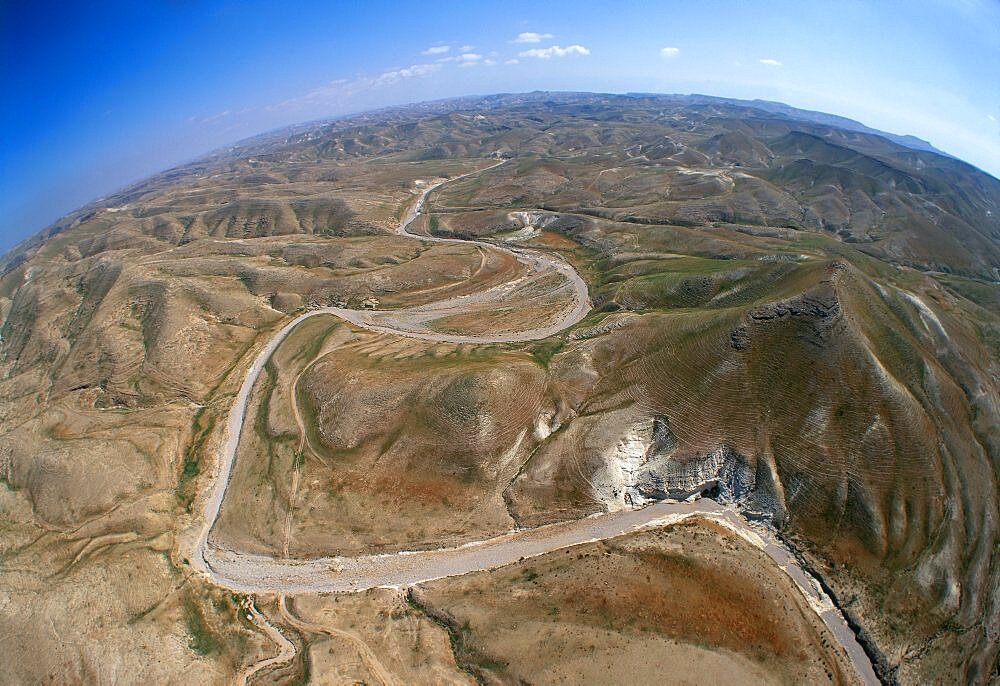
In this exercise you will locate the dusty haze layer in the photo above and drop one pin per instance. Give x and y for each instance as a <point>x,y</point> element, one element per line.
<point>804,316</point>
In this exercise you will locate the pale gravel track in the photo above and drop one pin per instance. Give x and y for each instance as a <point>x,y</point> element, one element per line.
<point>286,649</point>
<point>367,655</point>
<point>251,574</point>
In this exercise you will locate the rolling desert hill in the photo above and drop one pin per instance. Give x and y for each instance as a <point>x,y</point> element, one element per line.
<point>791,313</point>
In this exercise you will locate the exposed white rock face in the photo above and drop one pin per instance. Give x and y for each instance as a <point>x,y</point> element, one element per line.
<point>645,466</point>
<point>534,219</point>
<point>545,425</point>
<point>525,234</point>
<point>615,485</point>
<point>927,316</point>
<point>681,478</point>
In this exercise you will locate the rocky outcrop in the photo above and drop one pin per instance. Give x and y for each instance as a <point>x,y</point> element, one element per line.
<point>739,339</point>
<point>723,472</point>
<point>816,307</point>
<point>607,325</point>
<point>817,317</point>
<point>647,465</point>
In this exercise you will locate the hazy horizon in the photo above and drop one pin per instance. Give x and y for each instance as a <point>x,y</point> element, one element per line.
<point>130,91</point>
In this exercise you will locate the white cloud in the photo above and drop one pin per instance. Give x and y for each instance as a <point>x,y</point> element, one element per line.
<point>215,117</point>
<point>554,51</point>
<point>669,52</point>
<point>466,48</point>
<point>531,37</point>
<point>436,50</point>
<point>413,70</point>
<point>771,62</point>
<point>345,88</point>
<point>513,61</point>
<point>991,117</point>
<point>468,59</point>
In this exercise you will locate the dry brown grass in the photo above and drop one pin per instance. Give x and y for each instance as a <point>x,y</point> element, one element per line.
<point>676,593</point>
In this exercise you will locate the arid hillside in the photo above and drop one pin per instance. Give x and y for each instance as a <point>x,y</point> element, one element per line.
<point>800,320</point>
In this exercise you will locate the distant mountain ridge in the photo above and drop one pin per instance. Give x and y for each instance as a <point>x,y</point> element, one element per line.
<point>769,106</point>
<point>277,138</point>
<point>817,117</point>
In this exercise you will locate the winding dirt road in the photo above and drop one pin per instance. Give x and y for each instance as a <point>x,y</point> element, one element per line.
<point>252,574</point>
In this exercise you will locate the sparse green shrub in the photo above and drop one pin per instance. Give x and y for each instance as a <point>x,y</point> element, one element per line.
<point>202,639</point>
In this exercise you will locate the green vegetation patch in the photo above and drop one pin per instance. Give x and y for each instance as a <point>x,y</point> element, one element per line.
<point>190,468</point>
<point>201,638</point>
<point>983,293</point>
<point>544,351</point>
<point>483,668</point>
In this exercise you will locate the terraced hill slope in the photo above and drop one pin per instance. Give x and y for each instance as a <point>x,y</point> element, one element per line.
<point>800,319</point>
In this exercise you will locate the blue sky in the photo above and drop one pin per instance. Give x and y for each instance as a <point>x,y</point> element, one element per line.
<point>96,95</point>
